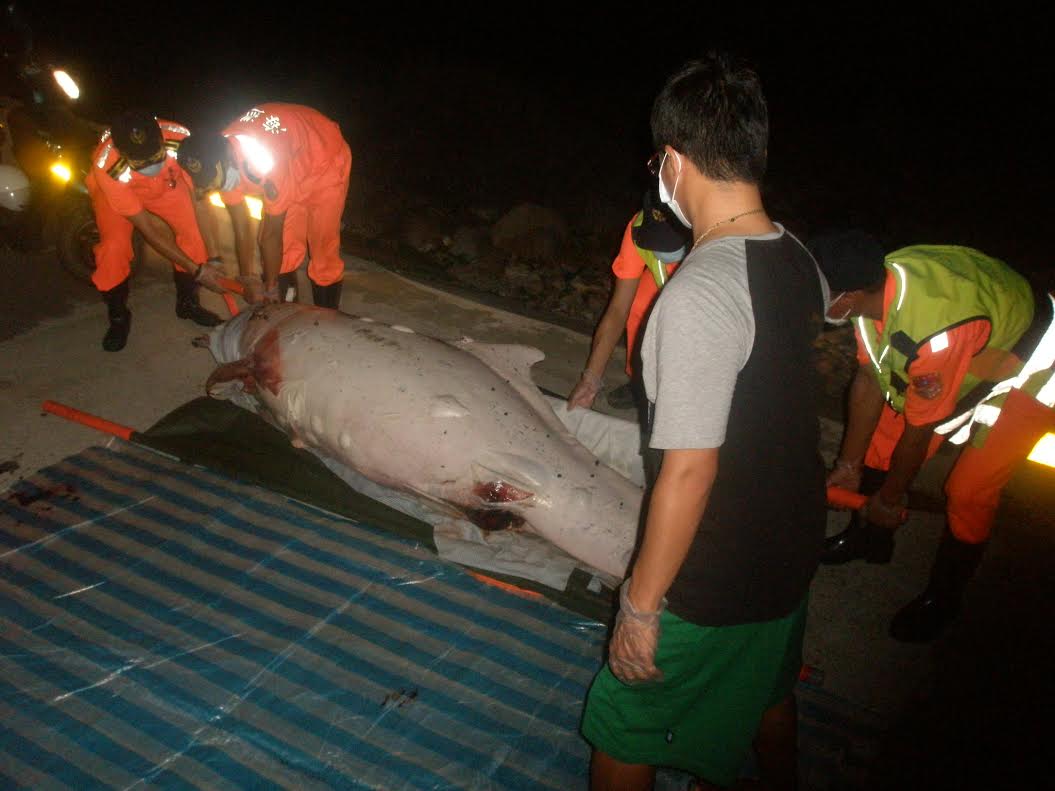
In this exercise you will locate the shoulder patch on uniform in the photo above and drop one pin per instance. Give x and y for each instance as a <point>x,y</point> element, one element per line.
<point>927,386</point>
<point>116,169</point>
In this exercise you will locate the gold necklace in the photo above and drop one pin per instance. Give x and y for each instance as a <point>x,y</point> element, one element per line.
<point>734,218</point>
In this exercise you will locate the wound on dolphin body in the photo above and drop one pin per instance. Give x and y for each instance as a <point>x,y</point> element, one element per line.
<point>500,492</point>
<point>490,520</point>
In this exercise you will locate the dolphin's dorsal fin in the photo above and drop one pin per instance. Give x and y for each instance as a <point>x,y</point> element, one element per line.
<point>513,363</point>
<point>512,360</point>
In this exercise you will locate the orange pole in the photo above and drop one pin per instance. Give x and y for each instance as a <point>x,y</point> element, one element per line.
<point>232,306</point>
<point>506,586</point>
<point>98,423</point>
<point>231,285</point>
<point>844,498</point>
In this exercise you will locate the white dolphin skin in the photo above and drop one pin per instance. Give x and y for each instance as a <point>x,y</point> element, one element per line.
<point>458,423</point>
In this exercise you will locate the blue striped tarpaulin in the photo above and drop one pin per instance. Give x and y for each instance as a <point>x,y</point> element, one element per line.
<point>166,627</point>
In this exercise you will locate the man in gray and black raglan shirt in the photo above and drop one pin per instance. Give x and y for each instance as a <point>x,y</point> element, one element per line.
<point>707,643</point>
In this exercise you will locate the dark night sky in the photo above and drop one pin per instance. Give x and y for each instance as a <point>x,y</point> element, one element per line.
<point>896,111</point>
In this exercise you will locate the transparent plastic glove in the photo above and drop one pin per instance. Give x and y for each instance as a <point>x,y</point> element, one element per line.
<point>585,392</point>
<point>632,650</point>
<point>845,474</point>
<point>271,295</point>
<point>208,275</point>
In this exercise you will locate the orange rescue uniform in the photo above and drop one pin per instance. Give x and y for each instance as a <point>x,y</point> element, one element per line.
<point>118,192</point>
<point>296,160</point>
<point>980,473</point>
<point>629,265</point>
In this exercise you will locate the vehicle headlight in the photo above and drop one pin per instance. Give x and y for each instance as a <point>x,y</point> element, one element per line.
<point>60,171</point>
<point>67,83</point>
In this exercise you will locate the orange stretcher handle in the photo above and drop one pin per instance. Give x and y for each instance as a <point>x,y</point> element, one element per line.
<point>232,306</point>
<point>98,423</point>
<point>506,586</point>
<point>231,285</point>
<point>844,498</point>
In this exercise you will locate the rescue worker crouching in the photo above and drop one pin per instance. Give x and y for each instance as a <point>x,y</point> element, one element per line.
<point>136,184</point>
<point>653,244</point>
<point>297,162</point>
<point>953,345</point>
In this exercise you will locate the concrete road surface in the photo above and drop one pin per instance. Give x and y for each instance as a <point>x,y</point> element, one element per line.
<point>969,709</point>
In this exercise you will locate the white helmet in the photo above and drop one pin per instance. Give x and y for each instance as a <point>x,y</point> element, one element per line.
<point>14,188</point>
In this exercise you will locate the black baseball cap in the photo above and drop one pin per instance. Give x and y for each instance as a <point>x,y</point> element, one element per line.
<point>202,156</point>
<point>851,260</point>
<point>659,231</point>
<point>137,135</point>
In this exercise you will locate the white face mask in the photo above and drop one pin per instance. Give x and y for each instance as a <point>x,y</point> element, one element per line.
<point>842,319</point>
<point>668,197</point>
<point>151,170</point>
<point>670,258</point>
<point>231,177</point>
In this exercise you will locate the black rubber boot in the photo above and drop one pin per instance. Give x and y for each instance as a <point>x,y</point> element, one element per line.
<point>120,316</point>
<point>926,616</point>
<point>861,540</point>
<point>187,305</point>
<point>287,287</point>
<point>327,296</point>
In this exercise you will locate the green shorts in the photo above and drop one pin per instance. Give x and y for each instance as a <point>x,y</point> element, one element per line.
<point>703,716</point>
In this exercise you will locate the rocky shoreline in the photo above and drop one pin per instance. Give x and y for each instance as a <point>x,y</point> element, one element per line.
<point>529,262</point>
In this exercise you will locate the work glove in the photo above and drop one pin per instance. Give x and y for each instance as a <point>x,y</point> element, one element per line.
<point>585,392</point>
<point>254,292</point>
<point>632,649</point>
<point>845,474</point>
<point>882,514</point>
<point>208,275</point>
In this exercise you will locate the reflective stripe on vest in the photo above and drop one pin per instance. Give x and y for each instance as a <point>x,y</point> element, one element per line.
<point>877,362</point>
<point>1046,396</point>
<point>1042,358</point>
<point>652,263</point>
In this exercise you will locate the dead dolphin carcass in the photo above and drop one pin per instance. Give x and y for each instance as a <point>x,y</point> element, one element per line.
<point>455,423</point>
